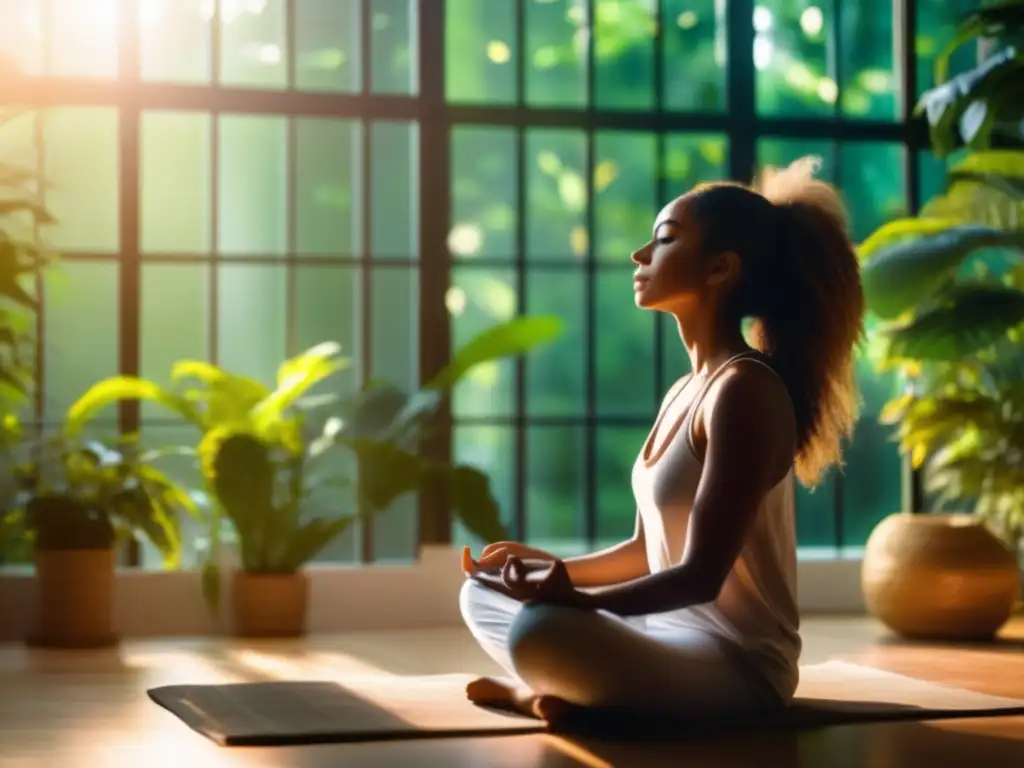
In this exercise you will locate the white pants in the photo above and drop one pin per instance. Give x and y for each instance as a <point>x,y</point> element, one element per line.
<point>592,658</point>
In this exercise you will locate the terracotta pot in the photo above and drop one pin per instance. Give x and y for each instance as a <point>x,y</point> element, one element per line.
<point>940,577</point>
<point>270,604</point>
<point>75,607</point>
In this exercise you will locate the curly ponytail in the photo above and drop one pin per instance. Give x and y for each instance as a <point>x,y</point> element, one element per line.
<point>800,282</point>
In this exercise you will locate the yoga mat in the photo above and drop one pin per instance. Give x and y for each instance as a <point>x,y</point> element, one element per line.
<point>394,707</point>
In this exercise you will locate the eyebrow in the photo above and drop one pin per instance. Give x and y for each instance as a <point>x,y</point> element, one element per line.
<point>662,223</point>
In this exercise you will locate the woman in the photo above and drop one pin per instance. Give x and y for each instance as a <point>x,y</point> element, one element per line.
<point>696,614</point>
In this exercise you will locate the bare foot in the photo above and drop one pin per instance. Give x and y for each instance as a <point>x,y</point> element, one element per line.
<point>505,694</point>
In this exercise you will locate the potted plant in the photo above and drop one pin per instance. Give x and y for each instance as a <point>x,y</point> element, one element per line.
<point>262,454</point>
<point>948,286</point>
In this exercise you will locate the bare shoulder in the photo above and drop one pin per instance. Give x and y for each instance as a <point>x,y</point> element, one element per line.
<point>749,408</point>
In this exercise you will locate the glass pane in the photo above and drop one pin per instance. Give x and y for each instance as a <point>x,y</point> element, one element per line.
<point>477,300</point>
<point>394,332</point>
<point>253,44</point>
<point>791,48</point>
<point>555,373</point>
<point>816,516</point>
<point>328,308</point>
<point>251,305</point>
<point>174,322</point>
<point>694,55</point>
<point>83,38</point>
<point>625,174</point>
<point>396,531</point>
<point>675,362</point>
<point>480,51</point>
<point>174,41</point>
<point>393,47</point>
<point>873,476</point>
<point>21,36</point>
<point>624,53</point>
<point>19,149</point>
<point>933,173</point>
<point>253,185</point>
<point>624,333</point>
<point>328,172</point>
<point>556,194</point>
<point>556,53</point>
<point>691,159</point>
<point>395,193</point>
<point>80,332</point>
<point>329,470</point>
<point>873,184</point>
<point>484,192</point>
<point>492,451</point>
<point>554,486</point>
<point>81,152</point>
<point>869,83</point>
<point>617,450</point>
<point>937,21</point>
<point>174,184</point>
<point>782,152</point>
<point>327,46</point>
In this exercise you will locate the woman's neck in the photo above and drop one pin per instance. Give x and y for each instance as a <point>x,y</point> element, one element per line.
<point>709,340</point>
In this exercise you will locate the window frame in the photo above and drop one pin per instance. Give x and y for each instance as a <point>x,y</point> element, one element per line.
<point>436,118</point>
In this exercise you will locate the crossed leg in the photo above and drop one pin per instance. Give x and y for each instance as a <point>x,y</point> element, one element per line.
<point>560,658</point>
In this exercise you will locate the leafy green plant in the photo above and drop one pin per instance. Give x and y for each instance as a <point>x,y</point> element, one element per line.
<point>948,287</point>
<point>88,494</point>
<point>264,452</point>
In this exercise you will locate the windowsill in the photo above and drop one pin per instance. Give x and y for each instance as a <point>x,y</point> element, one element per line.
<point>350,598</point>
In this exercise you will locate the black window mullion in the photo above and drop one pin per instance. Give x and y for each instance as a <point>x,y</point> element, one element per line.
<point>291,171</point>
<point>590,304</point>
<point>435,520</point>
<point>741,119</point>
<point>521,457</point>
<point>366,525</point>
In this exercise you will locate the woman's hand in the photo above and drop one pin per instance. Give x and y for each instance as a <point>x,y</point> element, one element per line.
<point>494,556</point>
<point>553,586</point>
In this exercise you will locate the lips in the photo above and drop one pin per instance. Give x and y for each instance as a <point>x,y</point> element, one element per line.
<point>639,281</point>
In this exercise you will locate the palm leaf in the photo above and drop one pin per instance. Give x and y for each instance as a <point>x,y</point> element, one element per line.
<point>971,318</point>
<point>901,276</point>
<point>118,388</point>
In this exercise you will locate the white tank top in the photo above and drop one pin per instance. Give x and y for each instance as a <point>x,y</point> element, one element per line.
<point>756,608</point>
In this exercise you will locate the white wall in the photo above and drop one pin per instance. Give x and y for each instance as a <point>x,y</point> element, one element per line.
<point>348,598</point>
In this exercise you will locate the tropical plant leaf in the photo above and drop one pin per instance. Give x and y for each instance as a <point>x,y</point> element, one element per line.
<point>386,472</point>
<point>901,276</point>
<point>989,21</point>
<point>946,104</point>
<point>118,388</point>
<point>902,229</point>
<point>227,398</point>
<point>474,504</point>
<point>371,413</point>
<point>296,377</point>
<point>509,339</point>
<point>971,318</point>
<point>309,539</point>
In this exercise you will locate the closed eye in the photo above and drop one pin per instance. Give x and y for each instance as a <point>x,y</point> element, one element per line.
<point>665,240</point>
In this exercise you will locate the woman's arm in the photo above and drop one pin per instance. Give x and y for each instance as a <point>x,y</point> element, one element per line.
<point>750,437</point>
<point>615,565</point>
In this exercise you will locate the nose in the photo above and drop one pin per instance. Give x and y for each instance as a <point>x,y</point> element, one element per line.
<point>642,255</point>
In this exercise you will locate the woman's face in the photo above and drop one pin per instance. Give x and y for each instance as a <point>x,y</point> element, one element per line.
<point>671,269</point>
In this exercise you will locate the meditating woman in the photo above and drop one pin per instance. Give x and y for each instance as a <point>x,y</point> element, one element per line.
<point>696,614</point>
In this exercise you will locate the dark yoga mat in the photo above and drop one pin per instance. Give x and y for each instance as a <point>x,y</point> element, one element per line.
<point>393,707</point>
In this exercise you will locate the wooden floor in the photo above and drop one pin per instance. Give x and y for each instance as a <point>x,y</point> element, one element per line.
<point>89,710</point>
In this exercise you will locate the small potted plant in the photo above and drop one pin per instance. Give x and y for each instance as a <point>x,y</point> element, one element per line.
<point>262,451</point>
<point>948,290</point>
<point>79,499</point>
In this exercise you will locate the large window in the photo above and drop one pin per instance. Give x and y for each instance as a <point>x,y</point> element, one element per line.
<point>238,179</point>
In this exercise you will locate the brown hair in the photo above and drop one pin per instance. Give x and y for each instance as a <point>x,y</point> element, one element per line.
<point>800,282</point>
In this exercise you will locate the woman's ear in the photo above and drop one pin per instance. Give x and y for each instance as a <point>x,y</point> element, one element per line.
<point>724,269</point>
